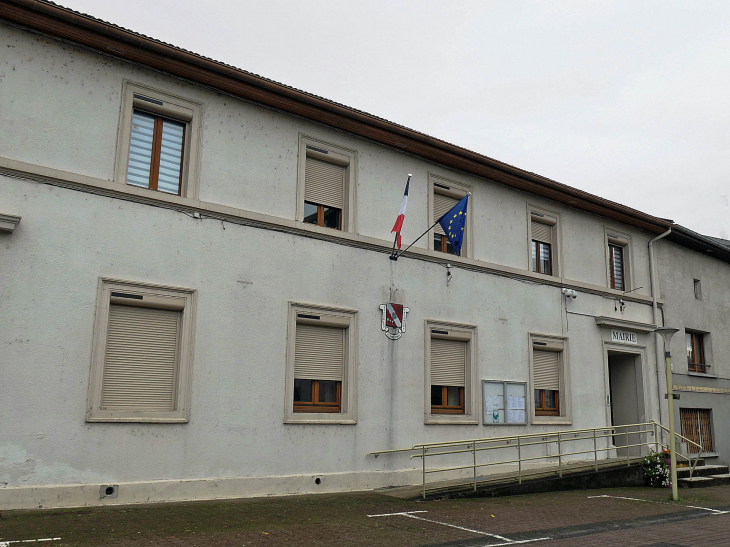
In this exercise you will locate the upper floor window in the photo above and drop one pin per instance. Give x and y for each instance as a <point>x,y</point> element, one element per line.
<point>158,143</point>
<point>618,254</point>
<point>543,242</point>
<point>444,194</point>
<point>695,352</point>
<point>326,186</point>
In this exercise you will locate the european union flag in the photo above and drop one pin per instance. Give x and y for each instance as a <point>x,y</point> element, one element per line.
<point>454,223</point>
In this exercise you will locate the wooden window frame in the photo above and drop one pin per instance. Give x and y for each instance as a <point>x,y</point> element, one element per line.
<point>308,413</point>
<point>538,262</point>
<point>157,152</point>
<point>612,248</point>
<point>536,214</point>
<point>315,405</point>
<point>168,106</point>
<point>445,408</point>
<point>543,410</point>
<point>157,294</point>
<point>340,155</point>
<point>699,366</point>
<point>444,245</point>
<point>559,344</point>
<point>320,215</point>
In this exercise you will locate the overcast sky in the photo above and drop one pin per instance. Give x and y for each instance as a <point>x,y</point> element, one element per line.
<point>625,99</point>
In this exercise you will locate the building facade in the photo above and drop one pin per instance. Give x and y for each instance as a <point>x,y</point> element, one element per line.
<point>194,261</point>
<point>694,281</point>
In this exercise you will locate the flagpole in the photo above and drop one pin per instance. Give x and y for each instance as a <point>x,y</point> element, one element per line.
<point>395,239</point>
<point>419,237</point>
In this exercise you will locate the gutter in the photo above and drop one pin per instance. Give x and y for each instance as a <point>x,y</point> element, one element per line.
<point>658,347</point>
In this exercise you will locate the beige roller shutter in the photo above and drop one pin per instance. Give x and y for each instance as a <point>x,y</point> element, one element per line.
<point>141,359</point>
<point>448,362</point>
<point>542,232</point>
<point>441,205</point>
<point>319,353</point>
<point>324,183</point>
<point>546,369</point>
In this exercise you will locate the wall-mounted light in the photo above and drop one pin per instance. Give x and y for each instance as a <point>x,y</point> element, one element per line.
<point>569,293</point>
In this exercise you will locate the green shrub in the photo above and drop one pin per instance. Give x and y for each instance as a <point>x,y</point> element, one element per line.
<point>656,470</point>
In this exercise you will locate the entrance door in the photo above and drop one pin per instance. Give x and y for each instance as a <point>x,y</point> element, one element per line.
<point>626,399</point>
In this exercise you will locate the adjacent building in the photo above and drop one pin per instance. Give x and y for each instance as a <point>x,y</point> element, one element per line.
<point>194,259</point>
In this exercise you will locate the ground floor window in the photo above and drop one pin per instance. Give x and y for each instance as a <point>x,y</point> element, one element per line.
<point>697,427</point>
<point>447,399</point>
<point>317,395</point>
<point>547,402</point>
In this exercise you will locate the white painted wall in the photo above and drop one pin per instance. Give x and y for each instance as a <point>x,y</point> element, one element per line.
<point>60,106</point>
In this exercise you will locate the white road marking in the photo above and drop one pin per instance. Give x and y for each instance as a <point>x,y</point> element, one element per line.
<point>393,514</point>
<point>410,514</point>
<point>713,511</point>
<point>8,543</point>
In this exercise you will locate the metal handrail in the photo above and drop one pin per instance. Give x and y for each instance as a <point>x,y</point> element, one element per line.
<point>521,442</point>
<point>688,441</point>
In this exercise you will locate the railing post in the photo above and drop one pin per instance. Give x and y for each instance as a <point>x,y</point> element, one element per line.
<point>628,461</point>
<point>423,457</point>
<point>560,459</point>
<point>519,461</point>
<point>656,439</point>
<point>474,452</point>
<point>595,451</point>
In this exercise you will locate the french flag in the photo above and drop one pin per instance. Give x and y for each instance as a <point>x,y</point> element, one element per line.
<point>402,215</point>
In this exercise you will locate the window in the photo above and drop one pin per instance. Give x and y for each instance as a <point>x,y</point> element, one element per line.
<point>142,355</point>
<point>617,266</point>
<point>158,145</point>
<point>549,378</point>
<point>618,253</point>
<point>695,352</point>
<point>697,427</point>
<point>443,195</point>
<point>504,402</point>
<point>543,242</point>
<point>450,373</point>
<point>326,186</point>
<point>698,289</point>
<point>321,365</point>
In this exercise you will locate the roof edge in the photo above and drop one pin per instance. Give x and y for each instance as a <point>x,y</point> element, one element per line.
<point>116,41</point>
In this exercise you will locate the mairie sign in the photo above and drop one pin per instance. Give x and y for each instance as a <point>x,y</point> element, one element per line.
<point>623,336</point>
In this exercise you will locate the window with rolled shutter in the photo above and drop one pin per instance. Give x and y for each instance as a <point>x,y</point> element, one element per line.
<point>319,353</point>
<point>324,183</point>
<point>542,232</point>
<point>546,370</point>
<point>141,359</point>
<point>441,205</point>
<point>448,362</point>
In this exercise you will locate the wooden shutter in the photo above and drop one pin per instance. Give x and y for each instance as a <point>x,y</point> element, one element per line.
<point>448,362</point>
<point>617,266</point>
<point>140,362</point>
<point>319,352</point>
<point>542,232</point>
<point>546,369</point>
<point>324,183</point>
<point>696,427</point>
<point>441,205</point>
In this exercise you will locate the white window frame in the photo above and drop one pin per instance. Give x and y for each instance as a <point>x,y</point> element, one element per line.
<point>552,218</point>
<point>173,107</point>
<point>348,409</point>
<point>185,360</point>
<point>467,333</point>
<point>342,156</point>
<point>612,236</point>
<point>459,190</point>
<point>566,406</point>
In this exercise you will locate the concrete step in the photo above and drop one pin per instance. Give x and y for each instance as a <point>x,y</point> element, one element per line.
<point>704,482</point>
<point>702,471</point>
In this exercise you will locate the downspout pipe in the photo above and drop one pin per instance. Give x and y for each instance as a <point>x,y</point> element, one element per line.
<point>658,348</point>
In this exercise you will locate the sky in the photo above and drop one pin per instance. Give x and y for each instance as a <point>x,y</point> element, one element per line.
<point>624,99</point>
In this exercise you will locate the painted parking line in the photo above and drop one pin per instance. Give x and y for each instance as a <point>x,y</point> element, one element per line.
<point>713,511</point>
<point>507,541</point>
<point>8,543</point>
